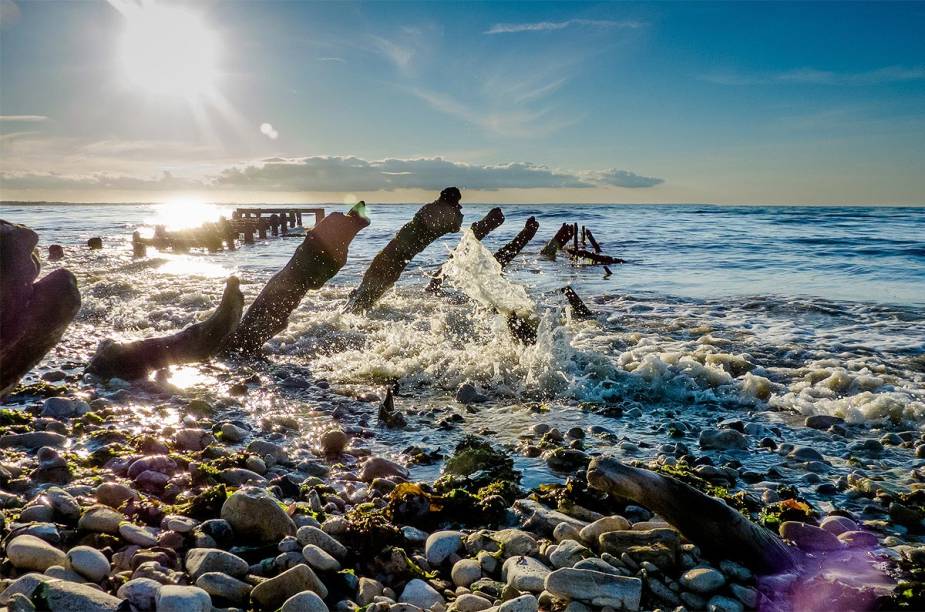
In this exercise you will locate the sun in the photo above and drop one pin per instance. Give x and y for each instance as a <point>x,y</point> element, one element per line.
<point>168,50</point>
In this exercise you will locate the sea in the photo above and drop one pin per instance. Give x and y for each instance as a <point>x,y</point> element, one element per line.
<point>767,314</point>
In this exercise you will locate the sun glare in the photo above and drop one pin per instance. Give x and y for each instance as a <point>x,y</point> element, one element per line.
<point>168,51</point>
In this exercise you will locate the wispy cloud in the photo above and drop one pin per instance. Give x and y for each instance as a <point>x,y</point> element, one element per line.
<point>23,118</point>
<point>814,76</point>
<point>505,120</point>
<point>340,173</point>
<point>550,26</point>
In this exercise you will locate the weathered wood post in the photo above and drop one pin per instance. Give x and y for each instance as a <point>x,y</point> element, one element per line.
<point>558,241</point>
<point>316,260</point>
<point>195,343</point>
<point>33,315</point>
<point>508,252</point>
<point>291,219</point>
<point>433,220</point>
<point>274,224</point>
<point>138,247</point>
<point>298,218</point>
<point>227,232</point>
<point>283,224</point>
<point>248,231</point>
<point>261,227</point>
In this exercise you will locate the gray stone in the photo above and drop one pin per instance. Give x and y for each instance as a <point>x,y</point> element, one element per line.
<point>313,535</point>
<point>515,542</point>
<point>465,572</point>
<point>63,408</point>
<point>747,595</point>
<point>240,476</point>
<point>333,442</point>
<point>272,593</point>
<point>469,602</point>
<point>703,579</point>
<point>100,519</point>
<point>306,601</point>
<point>440,545</point>
<point>202,560</point>
<point>223,587</point>
<point>721,603</point>
<point>113,494</point>
<point>141,593</point>
<point>468,394</point>
<point>137,534</point>
<point>809,537</point>
<point>319,559</point>
<point>380,467</point>
<point>822,421</point>
<point>65,595</point>
<point>722,439</point>
<point>805,453</point>
<point>254,513</point>
<point>25,584</point>
<point>33,440</point>
<point>567,553</point>
<point>524,603</point>
<point>597,588</point>
<point>27,552</point>
<point>232,433</point>
<point>88,562</point>
<point>524,573</point>
<point>838,525</point>
<point>592,532</point>
<point>419,593</point>
<point>173,598</point>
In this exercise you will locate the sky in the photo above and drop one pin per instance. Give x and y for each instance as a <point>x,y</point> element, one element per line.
<point>241,101</point>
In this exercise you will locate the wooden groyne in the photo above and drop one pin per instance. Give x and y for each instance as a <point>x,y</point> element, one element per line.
<point>245,225</point>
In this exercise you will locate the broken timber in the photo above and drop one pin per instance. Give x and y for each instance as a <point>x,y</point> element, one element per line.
<point>706,521</point>
<point>442,216</point>
<point>320,256</point>
<point>558,241</point>
<point>197,342</point>
<point>508,252</point>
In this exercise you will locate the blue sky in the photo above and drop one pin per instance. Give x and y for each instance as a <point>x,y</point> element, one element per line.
<point>514,102</point>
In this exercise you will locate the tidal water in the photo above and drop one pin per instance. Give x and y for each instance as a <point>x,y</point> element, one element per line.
<point>771,311</point>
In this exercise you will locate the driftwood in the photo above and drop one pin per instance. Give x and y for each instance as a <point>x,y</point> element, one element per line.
<point>706,521</point>
<point>432,221</point>
<point>480,229</point>
<point>197,342</point>
<point>594,257</point>
<point>320,256</point>
<point>33,315</point>
<point>558,241</point>
<point>578,306</point>
<point>508,252</point>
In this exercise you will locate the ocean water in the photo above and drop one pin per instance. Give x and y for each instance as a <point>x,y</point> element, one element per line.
<point>772,312</point>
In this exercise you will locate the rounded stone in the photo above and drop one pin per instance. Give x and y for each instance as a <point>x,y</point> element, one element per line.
<point>440,545</point>
<point>306,601</point>
<point>703,579</point>
<point>465,572</point>
<point>173,598</point>
<point>333,442</point>
<point>254,513</point>
<point>319,559</point>
<point>88,562</point>
<point>419,593</point>
<point>31,553</point>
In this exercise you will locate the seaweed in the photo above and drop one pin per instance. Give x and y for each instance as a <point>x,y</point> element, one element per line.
<point>10,417</point>
<point>204,506</point>
<point>773,515</point>
<point>429,508</point>
<point>369,531</point>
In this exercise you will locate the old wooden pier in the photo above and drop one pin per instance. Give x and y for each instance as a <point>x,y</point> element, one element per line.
<point>246,224</point>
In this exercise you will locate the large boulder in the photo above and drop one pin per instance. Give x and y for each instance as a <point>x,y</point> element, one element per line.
<point>254,513</point>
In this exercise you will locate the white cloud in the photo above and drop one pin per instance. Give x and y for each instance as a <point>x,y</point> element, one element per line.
<point>23,118</point>
<point>624,178</point>
<point>336,173</point>
<point>550,26</point>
